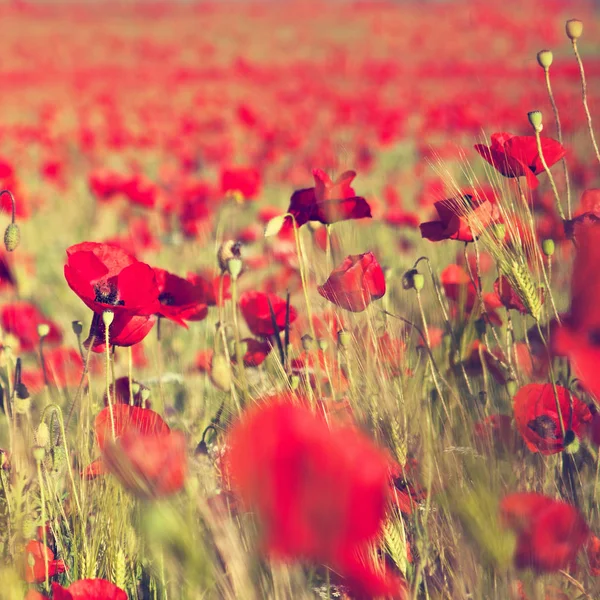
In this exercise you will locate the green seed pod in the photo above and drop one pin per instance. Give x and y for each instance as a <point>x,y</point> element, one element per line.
<point>535,118</point>
<point>545,58</point>
<point>418,281</point>
<point>108,316</point>
<point>307,342</point>
<point>511,387</point>
<point>220,373</point>
<point>43,330</point>
<point>574,29</point>
<point>294,382</point>
<point>12,237</point>
<point>234,266</point>
<point>548,247</point>
<point>323,345</point>
<point>344,338</point>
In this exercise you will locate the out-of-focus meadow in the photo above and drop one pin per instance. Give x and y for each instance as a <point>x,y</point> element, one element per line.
<point>306,394</point>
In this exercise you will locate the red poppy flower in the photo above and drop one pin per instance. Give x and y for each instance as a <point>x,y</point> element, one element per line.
<point>108,278</point>
<point>180,299</point>
<point>538,422</point>
<point>329,201</point>
<point>592,551</point>
<point>320,492</point>
<point>124,331</point>
<point>64,366</point>
<point>245,180</point>
<point>256,312</point>
<point>517,155</point>
<point>587,213</point>
<point>256,352</point>
<point>461,218</point>
<point>578,337</point>
<point>147,457</point>
<point>22,320</point>
<point>510,299</point>
<point>36,556</point>
<point>88,589</point>
<point>550,533</point>
<point>354,283</point>
<point>212,288</point>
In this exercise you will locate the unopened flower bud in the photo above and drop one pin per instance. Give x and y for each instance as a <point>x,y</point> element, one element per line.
<point>234,267</point>
<point>574,29</point>
<point>294,382</point>
<point>544,58</point>
<point>43,330</point>
<point>12,237</point>
<point>548,247</point>
<point>228,250</point>
<point>307,342</point>
<point>77,327</point>
<point>535,118</point>
<point>511,387</point>
<point>323,345</point>
<point>108,316</point>
<point>42,435</point>
<point>220,373</point>
<point>344,338</point>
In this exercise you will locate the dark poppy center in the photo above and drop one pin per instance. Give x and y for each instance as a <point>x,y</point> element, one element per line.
<point>545,427</point>
<point>166,299</point>
<point>107,293</point>
<point>594,337</point>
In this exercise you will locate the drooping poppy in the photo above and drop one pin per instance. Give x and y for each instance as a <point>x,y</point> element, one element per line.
<point>355,283</point>
<point>550,532</point>
<point>329,201</point>
<point>538,421</point>
<point>88,589</point>
<point>108,278</point>
<point>518,156</point>
<point>180,299</point>
<point>257,313</point>
<point>320,493</point>
<point>36,557</point>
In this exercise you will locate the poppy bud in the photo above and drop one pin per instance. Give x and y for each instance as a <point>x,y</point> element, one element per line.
<point>294,382</point>
<point>108,316</point>
<point>574,29</point>
<point>307,342</point>
<point>323,345</point>
<point>535,118</point>
<point>227,250</point>
<point>220,373</point>
<point>38,453</point>
<point>234,266</point>
<point>43,330</point>
<point>511,387</point>
<point>548,247</point>
<point>344,338</point>
<point>571,443</point>
<point>77,327</point>
<point>544,58</point>
<point>418,281</point>
<point>12,237</point>
<point>145,394</point>
<point>42,435</point>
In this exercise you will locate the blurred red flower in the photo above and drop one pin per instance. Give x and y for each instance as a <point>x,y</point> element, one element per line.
<point>510,299</point>
<point>180,299</point>
<point>538,421</point>
<point>36,556</point>
<point>320,492</point>
<point>88,589</point>
<point>587,213</point>
<point>256,351</point>
<point>22,320</point>
<point>245,180</point>
<point>354,283</point>
<point>517,155</point>
<point>461,218</point>
<point>255,310</point>
<point>124,331</point>
<point>329,201</point>
<point>550,532</point>
<point>108,278</point>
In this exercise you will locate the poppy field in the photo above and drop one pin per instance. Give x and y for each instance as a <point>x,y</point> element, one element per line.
<point>300,300</point>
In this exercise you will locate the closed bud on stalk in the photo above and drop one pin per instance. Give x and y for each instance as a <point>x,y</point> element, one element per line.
<point>43,330</point>
<point>535,118</point>
<point>108,316</point>
<point>12,237</point>
<point>511,387</point>
<point>42,435</point>
<point>307,342</point>
<point>418,281</point>
<point>234,267</point>
<point>323,345</point>
<point>38,453</point>
<point>548,247</point>
<point>294,382</point>
<point>413,280</point>
<point>545,58</point>
<point>220,373</point>
<point>344,338</point>
<point>228,250</point>
<point>574,29</point>
<point>77,327</point>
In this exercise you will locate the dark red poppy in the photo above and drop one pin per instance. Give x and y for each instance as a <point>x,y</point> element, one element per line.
<point>120,393</point>
<point>7,279</point>
<point>35,559</point>
<point>124,331</point>
<point>88,589</point>
<point>108,278</point>
<point>538,421</point>
<point>180,299</point>
<point>255,351</point>
<point>354,283</point>
<point>578,337</point>
<point>509,297</point>
<point>329,201</point>
<point>588,212</point>
<point>461,218</point>
<point>550,533</point>
<point>517,155</point>
<point>147,457</point>
<point>22,320</point>
<point>243,180</point>
<point>256,312</point>
<point>320,492</point>
<point>592,551</point>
